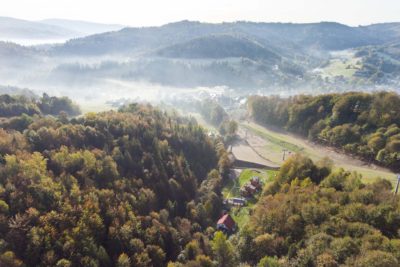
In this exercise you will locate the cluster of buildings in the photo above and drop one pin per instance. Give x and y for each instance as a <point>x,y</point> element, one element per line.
<point>251,187</point>
<point>226,223</point>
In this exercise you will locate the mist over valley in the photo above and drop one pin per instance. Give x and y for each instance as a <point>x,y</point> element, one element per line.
<point>199,144</point>
<point>265,58</point>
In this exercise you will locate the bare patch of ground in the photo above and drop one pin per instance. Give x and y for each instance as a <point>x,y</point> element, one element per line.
<point>243,151</point>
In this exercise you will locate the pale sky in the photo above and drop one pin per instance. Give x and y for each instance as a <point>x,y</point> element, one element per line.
<point>158,12</point>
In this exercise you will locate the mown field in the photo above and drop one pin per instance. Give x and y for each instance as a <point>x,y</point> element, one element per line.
<point>281,140</point>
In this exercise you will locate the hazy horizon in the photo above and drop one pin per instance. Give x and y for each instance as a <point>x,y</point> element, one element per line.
<point>136,14</point>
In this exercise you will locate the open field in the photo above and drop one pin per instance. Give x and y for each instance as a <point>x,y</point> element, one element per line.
<point>342,63</point>
<point>338,67</point>
<point>264,141</point>
<point>267,146</point>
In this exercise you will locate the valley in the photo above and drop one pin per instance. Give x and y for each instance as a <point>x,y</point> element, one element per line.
<point>246,57</point>
<point>197,143</point>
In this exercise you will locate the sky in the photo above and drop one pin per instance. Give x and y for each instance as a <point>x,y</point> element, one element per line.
<point>158,12</point>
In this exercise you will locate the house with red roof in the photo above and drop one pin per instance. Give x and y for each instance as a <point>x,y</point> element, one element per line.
<point>226,224</point>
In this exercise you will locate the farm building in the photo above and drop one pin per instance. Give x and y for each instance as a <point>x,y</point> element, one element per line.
<point>256,182</point>
<point>226,224</point>
<point>248,190</point>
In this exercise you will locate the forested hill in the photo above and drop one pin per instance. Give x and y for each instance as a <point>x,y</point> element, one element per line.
<point>245,56</point>
<point>367,125</point>
<point>312,216</point>
<point>282,36</point>
<point>220,46</point>
<point>17,105</point>
<point>129,188</point>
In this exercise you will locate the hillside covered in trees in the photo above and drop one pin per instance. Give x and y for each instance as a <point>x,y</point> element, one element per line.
<point>140,187</point>
<point>11,106</point>
<point>134,187</point>
<point>362,124</point>
<point>244,56</point>
<point>313,216</point>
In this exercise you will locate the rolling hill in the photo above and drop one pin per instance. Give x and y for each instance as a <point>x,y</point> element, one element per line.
<point>83,27</point>
<point>387,32</point>
<point>240,55</point>
<point>219,46</point>
<point>285,36</point>
<point>11,28</point>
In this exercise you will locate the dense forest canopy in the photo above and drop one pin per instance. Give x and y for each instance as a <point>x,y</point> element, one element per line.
<point>140,187</point>
<point>134,187</point>
<point>16,105</point>
<point>367,125</point>
<point>312,216</point>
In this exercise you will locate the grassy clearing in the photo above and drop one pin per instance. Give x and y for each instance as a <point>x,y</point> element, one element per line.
<point>241,215</point>
<point>342,64</point>
<point>338,67</point>
<point>232,189</point>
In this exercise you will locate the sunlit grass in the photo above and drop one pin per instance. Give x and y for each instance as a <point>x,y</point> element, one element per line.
<point>286,141</point>
<point>241,215</point>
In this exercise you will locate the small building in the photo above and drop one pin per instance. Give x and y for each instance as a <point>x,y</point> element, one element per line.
<point>226,224</point>
<point>255,181</point>
<point>236,201</point>
<point>248,190</point>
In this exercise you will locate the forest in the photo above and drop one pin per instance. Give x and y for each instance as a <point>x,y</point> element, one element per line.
<point>11,106</point>
<point>142,187</point>
<point>314,216</point>
<point>133,187</point>
<point>362,124</point>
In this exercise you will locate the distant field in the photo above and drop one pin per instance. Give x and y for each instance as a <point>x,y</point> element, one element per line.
<point>338,67</point>
<point>315,152</point>
<point>341,64</point>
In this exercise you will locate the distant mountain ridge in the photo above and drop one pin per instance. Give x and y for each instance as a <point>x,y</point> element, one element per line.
<point>387,32</point>
<point>84,27</point>
<point>244,55</point>
<point>12,29</point>
<point>321,36</point>
<point>18,28</point>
